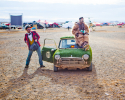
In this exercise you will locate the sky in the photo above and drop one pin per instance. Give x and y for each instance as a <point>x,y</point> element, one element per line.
<point>64,10</point>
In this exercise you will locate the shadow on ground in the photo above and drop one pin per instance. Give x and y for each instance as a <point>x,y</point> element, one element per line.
<point>85,82</point>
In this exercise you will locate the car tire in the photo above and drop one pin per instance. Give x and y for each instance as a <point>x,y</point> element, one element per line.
<point>55,69</point>
<point>90,67</point>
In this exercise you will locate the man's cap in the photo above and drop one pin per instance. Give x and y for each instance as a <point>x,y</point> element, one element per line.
<point>80,18</point>
<point>27,26</point>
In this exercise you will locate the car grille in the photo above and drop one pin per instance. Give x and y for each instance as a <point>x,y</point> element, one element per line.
<point>71,60</point>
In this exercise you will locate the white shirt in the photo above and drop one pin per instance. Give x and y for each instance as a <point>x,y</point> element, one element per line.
<point>30,36</point>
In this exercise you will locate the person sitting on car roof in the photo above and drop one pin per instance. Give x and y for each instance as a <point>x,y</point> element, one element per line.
<point>81,30</point>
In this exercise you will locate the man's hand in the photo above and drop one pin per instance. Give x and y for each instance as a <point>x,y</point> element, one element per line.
<point>80,32</point>
<point>86,47</point>
<point>86,33</point>
<point>36,40</point>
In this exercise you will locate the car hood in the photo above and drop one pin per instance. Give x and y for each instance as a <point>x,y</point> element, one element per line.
<point>71,52</point>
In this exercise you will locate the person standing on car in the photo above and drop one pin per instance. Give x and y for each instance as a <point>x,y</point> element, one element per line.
<point>30,38</point>
<point>81,30</point>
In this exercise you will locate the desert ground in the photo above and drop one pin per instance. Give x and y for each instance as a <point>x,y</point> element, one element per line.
<point>105,82</point>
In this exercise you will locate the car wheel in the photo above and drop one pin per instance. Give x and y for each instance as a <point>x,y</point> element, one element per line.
<point>55,69</point>
<point>90,67</point>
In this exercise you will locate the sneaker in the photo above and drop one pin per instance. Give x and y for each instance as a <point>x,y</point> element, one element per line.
<point>42,66</point>
<point>26,66</point>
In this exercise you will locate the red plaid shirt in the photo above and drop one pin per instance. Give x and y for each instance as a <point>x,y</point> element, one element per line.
<point>34,35</point>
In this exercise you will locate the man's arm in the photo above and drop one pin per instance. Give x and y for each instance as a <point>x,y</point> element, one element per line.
<point>86,29</point>
<point>25,39</point>
<point>38,36</point>
<point>75,29</point>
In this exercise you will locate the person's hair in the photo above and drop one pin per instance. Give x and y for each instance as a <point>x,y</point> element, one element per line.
<point>27,26</point>
<point>80,18</point>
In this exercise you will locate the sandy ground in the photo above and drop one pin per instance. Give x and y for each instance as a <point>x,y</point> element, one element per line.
<point>105,82</point>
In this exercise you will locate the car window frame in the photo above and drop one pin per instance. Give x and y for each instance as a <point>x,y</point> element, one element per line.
<point>49,39</point>
<point>65,48</point>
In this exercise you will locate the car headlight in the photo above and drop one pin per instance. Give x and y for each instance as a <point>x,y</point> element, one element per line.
<point>85,57</point>
<point>57,57</point>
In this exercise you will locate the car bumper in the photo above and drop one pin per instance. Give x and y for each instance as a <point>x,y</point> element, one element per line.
<point>72,62</point>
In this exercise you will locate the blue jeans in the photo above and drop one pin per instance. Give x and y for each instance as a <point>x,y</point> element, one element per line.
<point>30,54</point>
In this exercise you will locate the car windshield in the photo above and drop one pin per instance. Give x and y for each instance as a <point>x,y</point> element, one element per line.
<point>67,43</point>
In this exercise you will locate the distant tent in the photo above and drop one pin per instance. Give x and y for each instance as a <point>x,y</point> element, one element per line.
<point>96,23</point>
<point>43,23</point>
<point>39,21</point>
<point>55,24</point>
<point>106,24</point>
<point>69,24</point>
<point>121,23</point>
<point>7,24</point>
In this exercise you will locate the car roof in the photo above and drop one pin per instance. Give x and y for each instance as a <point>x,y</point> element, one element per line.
<point>67,37</point>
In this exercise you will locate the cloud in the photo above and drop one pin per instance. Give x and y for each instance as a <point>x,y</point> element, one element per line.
<point>61,11</point>
<point>94,2</point>
<point>4,17</point>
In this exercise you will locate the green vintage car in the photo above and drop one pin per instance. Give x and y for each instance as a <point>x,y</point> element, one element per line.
<point>67,55</point>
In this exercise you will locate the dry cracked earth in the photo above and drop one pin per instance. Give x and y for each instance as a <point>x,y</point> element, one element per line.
<point>105,82</point>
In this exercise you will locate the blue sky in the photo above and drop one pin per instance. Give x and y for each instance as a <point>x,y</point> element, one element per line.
<point>59,11</point>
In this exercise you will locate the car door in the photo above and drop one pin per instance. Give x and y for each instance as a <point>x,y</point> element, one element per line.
<point>48,50</point>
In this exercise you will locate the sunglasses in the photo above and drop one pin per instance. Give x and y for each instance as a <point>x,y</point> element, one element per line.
<point>29,29</point>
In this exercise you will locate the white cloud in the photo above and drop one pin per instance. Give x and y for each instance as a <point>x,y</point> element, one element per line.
<point>33,17</point>
<point>4,17</point>
<point>75,1</point>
